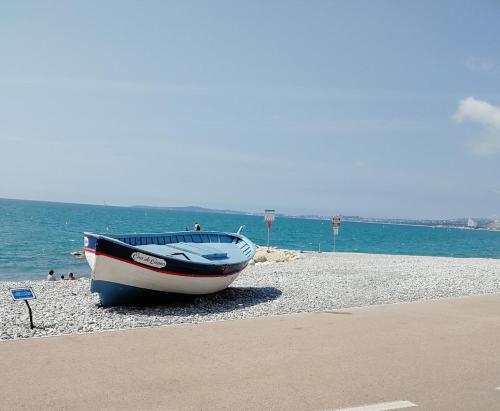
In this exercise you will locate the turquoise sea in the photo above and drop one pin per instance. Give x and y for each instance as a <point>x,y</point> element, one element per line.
<point>38,236</point>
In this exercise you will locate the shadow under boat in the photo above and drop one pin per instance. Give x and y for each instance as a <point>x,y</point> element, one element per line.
<point>230,299</point>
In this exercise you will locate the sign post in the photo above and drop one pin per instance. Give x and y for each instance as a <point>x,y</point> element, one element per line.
<point>336,226</point>
<point>24,294</point>
<point>269,218</point>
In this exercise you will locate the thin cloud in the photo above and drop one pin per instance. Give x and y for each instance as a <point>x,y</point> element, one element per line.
<point>76,84</point>
<point>479,65</point>
<point>353,126</point>
<point>73,84</point>
<point>488,116</point>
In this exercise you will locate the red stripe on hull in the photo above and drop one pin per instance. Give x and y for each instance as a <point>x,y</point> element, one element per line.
<point>92,251</point>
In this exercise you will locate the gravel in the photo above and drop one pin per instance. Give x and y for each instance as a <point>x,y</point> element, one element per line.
<point>313,282</point>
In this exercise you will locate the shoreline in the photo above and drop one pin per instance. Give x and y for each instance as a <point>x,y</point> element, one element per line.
<point>308,282</point>
<point>80,275</point>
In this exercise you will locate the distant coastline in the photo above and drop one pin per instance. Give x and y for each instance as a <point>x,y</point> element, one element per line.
<point>195,209</point>
<point>459,223</point>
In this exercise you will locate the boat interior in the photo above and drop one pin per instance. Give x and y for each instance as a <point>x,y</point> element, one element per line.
<point>192,246</point>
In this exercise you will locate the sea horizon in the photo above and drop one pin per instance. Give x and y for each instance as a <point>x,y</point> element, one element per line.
<point>197,208</point>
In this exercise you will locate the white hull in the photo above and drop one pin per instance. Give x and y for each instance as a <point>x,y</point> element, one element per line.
<point>112,270</point>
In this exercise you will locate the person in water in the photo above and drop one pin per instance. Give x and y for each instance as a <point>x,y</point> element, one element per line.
<point>50,276</point>
<point>197,227</point>
<point>71,276</point>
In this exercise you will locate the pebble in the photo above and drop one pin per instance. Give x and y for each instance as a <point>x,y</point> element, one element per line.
<point>312,282</point>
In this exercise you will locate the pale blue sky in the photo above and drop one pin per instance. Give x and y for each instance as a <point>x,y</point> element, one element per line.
<point>374,108</point>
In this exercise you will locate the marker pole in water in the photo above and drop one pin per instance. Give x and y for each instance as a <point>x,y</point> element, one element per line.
<point>335,226</point>
<point>269,218</point>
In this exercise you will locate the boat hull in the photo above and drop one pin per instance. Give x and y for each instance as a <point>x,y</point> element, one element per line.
<point>118,281</point>
<point>114,294</point>
<point>121,277</point>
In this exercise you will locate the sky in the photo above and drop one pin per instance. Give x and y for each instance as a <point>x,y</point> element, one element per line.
<point>370,108</point>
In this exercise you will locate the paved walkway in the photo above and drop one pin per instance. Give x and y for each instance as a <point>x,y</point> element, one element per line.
<point>437,355</point>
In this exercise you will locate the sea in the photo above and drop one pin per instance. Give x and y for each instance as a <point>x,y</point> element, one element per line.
<point>37,236</point>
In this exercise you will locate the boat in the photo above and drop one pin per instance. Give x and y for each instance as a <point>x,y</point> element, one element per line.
<point>143,268</point>
<point>471,223</point>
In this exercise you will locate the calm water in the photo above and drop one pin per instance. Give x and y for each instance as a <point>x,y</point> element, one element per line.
<point>38,236</point>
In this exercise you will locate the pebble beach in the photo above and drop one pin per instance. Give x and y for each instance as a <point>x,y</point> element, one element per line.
<point>279,282</point>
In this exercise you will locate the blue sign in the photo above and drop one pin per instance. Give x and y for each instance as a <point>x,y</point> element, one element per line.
<point>20,294</point>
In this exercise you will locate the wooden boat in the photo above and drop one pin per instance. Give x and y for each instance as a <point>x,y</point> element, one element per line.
<point>139,268</point>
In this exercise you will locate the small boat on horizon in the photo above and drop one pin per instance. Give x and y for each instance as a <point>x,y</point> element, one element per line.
<point>471,223</point>
<point>142,268</point>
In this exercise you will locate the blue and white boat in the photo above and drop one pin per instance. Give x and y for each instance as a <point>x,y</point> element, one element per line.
<point>139,268</point>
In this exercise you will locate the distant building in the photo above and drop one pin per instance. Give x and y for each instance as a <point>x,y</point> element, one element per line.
<point>495,225</point>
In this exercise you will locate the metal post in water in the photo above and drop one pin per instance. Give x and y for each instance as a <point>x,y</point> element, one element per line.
<point>269,218</point>
<point>335,226</point>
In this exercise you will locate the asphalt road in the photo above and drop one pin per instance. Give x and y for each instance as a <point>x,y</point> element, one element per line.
<point>434,355</point>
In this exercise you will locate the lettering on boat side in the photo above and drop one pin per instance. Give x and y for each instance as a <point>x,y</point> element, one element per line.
<point>149,260</point>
